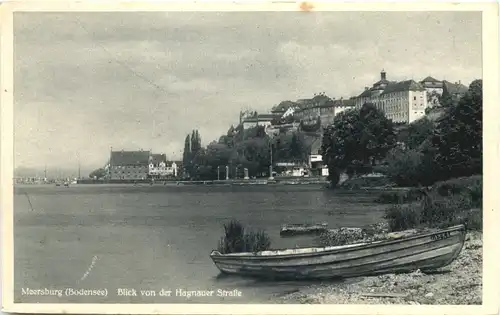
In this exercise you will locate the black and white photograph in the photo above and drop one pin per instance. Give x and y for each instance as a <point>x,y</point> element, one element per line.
<point>249,157</point>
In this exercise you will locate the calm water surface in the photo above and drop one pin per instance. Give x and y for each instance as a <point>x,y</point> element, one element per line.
<point>159,237</point>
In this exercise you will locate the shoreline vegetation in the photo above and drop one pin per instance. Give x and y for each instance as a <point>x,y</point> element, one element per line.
<point>409,211</point>
<point>440,164</point>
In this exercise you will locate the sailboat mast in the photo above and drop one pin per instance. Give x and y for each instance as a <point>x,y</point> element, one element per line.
<point>79,168</point>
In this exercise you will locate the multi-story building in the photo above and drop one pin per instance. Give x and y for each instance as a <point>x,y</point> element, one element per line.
<point>403,101</point>
<point>325,108</point>
<point>129,164</point>
<point>328,114</point>
<point>159,167</point>
<point>283,107</point>
<point>454,90</point>
<point>139,165</point>
<point>434,90</point>
<point>259,120</point>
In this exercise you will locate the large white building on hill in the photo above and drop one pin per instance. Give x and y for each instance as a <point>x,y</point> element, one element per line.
<point>402,102</point>
<point>407,101</point>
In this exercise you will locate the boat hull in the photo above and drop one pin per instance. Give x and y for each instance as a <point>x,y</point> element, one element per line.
<point>427,252</point>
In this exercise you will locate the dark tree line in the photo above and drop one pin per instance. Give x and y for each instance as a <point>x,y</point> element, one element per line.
<point>239,149</point>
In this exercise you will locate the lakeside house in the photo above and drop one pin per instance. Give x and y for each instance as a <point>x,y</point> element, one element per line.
<point>292,169</point>
<point>139,165</point>
<point>159,167</point>
<point>317,165</point>
<point>129,165</point>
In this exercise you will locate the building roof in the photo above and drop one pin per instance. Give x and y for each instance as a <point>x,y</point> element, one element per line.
<point>129,157</point>
<point>158,158</point>
<point>455,88</point>
<point>430,79</point>
<point>366,93</point>
<point>320,100</point>
<point>262,117</point>
<point>266,116</point>
<point>283,106</point>
<point>408,85</point>
<point>378,85</point>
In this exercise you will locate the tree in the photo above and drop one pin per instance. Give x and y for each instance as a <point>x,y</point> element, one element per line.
<point>404,167</point>
<point>356,140</point>
<point>457,139</point>
<point>416,133</point>
<point>377,134</point>
<point>340,142</point>
<point>186,154</point>
<point>98,173</point>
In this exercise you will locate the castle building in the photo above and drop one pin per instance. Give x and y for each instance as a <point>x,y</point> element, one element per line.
<point>402,102</point>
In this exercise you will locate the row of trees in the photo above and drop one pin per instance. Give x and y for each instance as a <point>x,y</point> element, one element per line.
<point>421,153</point>
<point>252,149</point>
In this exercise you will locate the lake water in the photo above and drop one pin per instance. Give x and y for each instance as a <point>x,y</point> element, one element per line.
<point>97,237</point>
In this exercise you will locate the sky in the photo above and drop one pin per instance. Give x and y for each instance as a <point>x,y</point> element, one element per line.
<point>88,82</point>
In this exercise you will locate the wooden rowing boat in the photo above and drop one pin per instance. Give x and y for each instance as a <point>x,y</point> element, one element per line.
<point>299,229</point>
<point>425,251</point>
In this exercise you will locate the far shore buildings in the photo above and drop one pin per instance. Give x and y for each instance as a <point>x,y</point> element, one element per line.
<point>308,111</point>
<point>264,120</point>
<point>139,165</point>
<point>407,101</point>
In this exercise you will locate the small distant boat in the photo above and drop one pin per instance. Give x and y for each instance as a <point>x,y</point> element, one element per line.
<point>299,229</point>
<point>58,184</point>
<point>66,184</point>
<point>425,251</point>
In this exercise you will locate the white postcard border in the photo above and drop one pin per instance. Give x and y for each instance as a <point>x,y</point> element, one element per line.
<point>491,158</point>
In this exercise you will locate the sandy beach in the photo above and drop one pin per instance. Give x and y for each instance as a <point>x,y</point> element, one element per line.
<point>459,283</point>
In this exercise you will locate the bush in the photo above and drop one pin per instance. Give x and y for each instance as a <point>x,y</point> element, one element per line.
<point>400,196</point>
<point>446,203</point>
<point>402,217</point>
<point>235,240</point>
<point>474,220</point>
<point>404,167</point>
<point>362,182</point>
<point>472,185</point>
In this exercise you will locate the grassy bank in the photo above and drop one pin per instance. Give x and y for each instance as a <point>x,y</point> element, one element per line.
<point>445,203</point>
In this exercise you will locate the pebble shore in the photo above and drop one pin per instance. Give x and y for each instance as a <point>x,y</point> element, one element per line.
<point>459,283</point>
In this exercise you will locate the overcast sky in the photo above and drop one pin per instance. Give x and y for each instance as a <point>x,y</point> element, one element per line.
<point>85,82</point>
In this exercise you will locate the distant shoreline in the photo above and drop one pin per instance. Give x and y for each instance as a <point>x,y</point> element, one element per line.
<point>236,182</point>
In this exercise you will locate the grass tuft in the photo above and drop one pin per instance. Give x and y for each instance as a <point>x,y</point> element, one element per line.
<point>237,240</point>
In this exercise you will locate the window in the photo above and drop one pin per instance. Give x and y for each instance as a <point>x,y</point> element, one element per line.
<point>414,98</point>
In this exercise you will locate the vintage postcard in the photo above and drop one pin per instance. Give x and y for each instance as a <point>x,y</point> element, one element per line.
<point>249,158</point>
